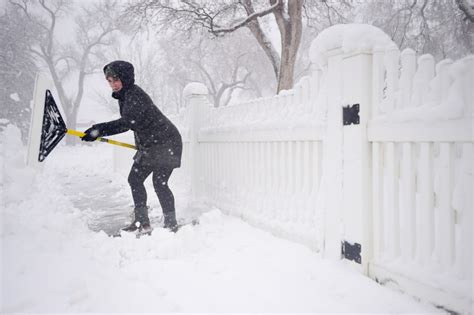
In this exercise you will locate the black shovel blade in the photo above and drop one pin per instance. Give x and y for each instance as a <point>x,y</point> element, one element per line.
<point>54,128</point>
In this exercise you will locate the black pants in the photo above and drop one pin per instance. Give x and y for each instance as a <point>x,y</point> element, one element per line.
<point>136,179</point>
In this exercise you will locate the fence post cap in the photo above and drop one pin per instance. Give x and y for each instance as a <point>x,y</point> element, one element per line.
<point>349,38</point>
<point>194,88</point>
<point>408,52</point>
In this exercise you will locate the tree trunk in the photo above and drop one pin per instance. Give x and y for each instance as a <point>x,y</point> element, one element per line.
<point>71,120</point>
<point>262,39</point>
<point>72,124</point>
<point>290,29</point>
<point>266,45</point>
<point>287,66</point>
<point>289,51</point>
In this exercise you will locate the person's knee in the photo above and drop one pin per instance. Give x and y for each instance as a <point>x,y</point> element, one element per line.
<point>163,191</point>
<point>134,179</point>
<point>161,188</point>
<point>160,181</point>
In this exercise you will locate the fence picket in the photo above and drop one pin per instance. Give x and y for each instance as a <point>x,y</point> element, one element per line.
<point>464,200</point>
<point>444,235</point>
<point>248,172</point>
<point>391,61</point>
<point>377,201</point>
<point>424,205</point>
<point>407,202</point>
<point>421,80</point>
<point>305,168</point>
<point>408,61</point>
<point>291,167</point>
<point>390,205</point>
<point>316,157</point>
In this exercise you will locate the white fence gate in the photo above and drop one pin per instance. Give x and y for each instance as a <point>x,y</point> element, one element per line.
<point>369,159</point>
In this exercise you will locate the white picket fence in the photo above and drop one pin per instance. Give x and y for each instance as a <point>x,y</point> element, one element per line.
<point>398,183</point>
<point>422,156</point>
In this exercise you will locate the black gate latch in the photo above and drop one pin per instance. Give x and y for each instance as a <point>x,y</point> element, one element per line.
<point>350,115</point>
<point>351,252</point>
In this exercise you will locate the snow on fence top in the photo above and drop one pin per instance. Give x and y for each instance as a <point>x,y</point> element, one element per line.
<point>290,108</point>
<point>194,88</point>
<point>348,38</point>
<point>306,104</point>
<point>404,87</point>
<point>418,90</point>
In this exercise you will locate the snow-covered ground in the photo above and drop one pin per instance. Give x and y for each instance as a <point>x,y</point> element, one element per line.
<point>53,260</point>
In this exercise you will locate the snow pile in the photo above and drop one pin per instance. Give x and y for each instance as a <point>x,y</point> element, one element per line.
<point>349,38</point>
<point>51,261</point>
<point>17,179</point>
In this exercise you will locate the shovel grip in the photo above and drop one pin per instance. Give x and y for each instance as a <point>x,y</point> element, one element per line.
<point>82,134</point>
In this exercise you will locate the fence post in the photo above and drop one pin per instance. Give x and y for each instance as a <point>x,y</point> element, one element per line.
<point>331,182</point>
<point>378,80</point>
<point>356,158</point>
<point>195,94</point>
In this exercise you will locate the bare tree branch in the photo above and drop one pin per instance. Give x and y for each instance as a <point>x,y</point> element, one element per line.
<point>409,19</point>
<point>467,8</point>
<point>94,27</point>
<point>248,19</point>
<point>26,12</point>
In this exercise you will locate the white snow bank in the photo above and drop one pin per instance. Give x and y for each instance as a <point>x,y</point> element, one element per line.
<point>348,37</point>
<point>18,179</point>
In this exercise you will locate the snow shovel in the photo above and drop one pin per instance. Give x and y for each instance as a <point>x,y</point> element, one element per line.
<point>54,129</point>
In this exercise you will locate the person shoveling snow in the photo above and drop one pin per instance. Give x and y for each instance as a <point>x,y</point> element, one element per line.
<point>157,140</point>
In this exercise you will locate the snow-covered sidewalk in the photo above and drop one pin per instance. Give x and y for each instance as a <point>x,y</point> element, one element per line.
<point>53,261</point>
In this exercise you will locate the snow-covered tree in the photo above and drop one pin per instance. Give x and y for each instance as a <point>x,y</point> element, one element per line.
<point>94,26</point>
<point>467,7</point>
<point>225,65</point>
<point>17,70</point>
<point>444,29</point>
<point>221,17</point>
<point>262,18</point>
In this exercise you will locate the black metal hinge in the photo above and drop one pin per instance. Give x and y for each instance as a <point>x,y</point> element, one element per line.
<point>350,115</point>
<point>351,251</point>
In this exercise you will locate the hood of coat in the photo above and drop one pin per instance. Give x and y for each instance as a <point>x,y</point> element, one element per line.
<point>122,70</point>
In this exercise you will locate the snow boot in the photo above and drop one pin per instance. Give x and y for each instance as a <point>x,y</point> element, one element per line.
<point>145,229</point>
<point>132,227</point>
<point>170,221</point>
<point>141,220</point>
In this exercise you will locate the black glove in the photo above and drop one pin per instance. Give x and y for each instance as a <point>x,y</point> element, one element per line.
<point>91,134</point>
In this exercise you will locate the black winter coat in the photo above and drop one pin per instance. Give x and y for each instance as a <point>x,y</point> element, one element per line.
<point>158,141</point>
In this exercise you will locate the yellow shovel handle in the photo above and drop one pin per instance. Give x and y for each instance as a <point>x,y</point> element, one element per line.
<point>81,134</point>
